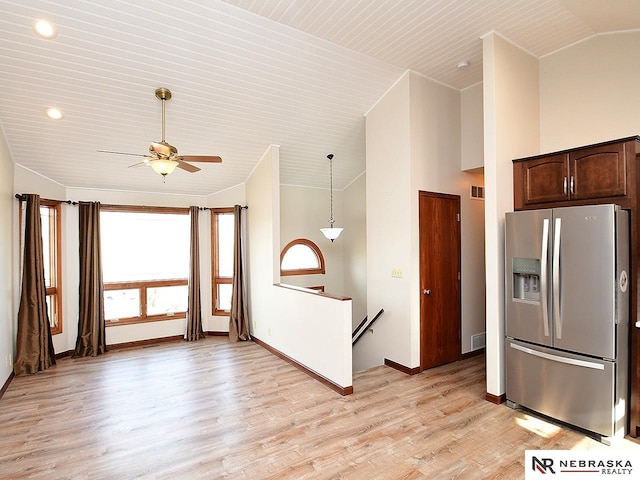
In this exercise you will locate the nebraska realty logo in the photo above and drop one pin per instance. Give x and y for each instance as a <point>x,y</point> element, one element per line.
<point>584,464</point>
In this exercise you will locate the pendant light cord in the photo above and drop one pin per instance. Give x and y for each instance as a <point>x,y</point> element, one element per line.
<point>331,221</point>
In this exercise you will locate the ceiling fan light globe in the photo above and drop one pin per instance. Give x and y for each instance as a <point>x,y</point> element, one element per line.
<point>163,166</point>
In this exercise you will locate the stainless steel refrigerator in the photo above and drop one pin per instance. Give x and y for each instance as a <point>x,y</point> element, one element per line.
<point>567,315</point>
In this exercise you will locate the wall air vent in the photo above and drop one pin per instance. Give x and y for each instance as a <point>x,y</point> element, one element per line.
<point>477,192</point>
<point>478,341</point>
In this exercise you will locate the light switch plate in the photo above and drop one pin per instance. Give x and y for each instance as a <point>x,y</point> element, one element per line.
<point>396,273</point>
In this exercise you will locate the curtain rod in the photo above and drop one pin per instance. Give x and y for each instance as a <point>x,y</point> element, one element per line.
<point>23,197</point>
<point>243,207</point>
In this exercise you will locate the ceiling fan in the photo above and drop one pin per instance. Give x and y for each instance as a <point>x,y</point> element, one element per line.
<point>163,157</point>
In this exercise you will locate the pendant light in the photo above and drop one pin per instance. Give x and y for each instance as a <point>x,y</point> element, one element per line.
<point>332,232</point>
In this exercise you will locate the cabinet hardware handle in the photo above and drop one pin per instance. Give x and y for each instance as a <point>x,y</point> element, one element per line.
<point>571,189</point>
<point>564,185</point>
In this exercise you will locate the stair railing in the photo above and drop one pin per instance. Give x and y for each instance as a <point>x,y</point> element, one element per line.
<point>363,327</point>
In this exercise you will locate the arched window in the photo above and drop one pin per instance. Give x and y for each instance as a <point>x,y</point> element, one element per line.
<point>301,257</point>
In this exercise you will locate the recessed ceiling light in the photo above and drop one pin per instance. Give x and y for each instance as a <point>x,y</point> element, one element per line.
<point>463,64</point>
<point>45,29</point>
<point>53,113</point>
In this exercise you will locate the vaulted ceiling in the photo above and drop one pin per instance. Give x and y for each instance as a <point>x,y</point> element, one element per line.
<point>244,74</point>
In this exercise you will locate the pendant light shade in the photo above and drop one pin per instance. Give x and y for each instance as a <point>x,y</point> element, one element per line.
<point>332,232</point>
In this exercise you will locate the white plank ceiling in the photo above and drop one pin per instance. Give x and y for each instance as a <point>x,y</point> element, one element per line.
<point>244,74</point>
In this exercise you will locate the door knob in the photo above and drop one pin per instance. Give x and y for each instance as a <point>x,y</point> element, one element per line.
<point>426,291</point>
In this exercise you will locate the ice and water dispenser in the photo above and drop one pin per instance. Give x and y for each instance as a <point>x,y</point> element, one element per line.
<point>526,279</point>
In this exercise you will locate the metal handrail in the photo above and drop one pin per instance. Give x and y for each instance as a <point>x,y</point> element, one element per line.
<point>364,320</point>
<point>359,332</point>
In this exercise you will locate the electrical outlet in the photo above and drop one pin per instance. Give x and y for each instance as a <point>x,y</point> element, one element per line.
<point>396,273</point>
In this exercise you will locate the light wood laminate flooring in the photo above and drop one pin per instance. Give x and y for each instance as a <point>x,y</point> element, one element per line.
<point>212,409</point>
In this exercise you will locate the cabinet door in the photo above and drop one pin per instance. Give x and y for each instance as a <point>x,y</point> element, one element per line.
<point>598,172</point>
<point>545,179</point>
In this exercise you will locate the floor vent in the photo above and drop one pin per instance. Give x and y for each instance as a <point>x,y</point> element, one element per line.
<point>477,192</point>
<point>478,341</point>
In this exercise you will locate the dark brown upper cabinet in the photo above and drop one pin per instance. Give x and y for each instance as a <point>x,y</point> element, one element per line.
<point>587,174</point>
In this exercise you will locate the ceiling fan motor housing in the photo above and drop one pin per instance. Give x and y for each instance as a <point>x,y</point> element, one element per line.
<point>163,149</point>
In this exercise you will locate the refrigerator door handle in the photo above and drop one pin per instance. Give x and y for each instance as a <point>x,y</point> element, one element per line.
<point>557,358</point>
<point>557,317</point>
<point>543,275</point>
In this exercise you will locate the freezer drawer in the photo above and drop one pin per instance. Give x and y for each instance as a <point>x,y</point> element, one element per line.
<point>574,389</point>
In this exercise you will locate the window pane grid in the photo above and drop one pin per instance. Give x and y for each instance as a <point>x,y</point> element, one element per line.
<point>137,302</point>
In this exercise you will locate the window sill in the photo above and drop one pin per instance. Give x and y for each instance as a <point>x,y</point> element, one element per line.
<point>136,321</point>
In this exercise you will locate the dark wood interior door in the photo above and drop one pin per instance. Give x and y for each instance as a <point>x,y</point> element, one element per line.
<point>439,279</point>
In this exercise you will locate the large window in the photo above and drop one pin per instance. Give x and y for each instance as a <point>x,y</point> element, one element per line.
<point>145,263</point>
<point>51,221</point>
<point>222,238</point>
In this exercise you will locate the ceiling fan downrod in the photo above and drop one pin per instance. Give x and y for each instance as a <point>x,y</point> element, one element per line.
<point>163,94</point>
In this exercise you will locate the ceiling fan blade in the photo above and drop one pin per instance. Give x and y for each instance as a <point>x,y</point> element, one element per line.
<point>201,158</point>
<point>122,153</point>
<point>187,166</point>
<point>140,164</point>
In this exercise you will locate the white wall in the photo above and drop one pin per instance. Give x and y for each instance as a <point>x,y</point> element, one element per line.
<point>436,132</point>
<point>8,289</point>
<point>388,220</point>
<point>354,242</point>
<point>589,92</point>
<point>435,167</point>
<point>413,144</point>
<point>472,228</point>
<point>511,130</point>
<point>473,261</point>
<point>303,212</point>
<point>472,128</point>
<point>313,330</point>
<point>227,198</point>
<point>263,230</point>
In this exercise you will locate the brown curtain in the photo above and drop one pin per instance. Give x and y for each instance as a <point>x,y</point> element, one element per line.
<point>34,345</point>
<point>194,313</point>
<point>91,339</point>
<point>239,317</point>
